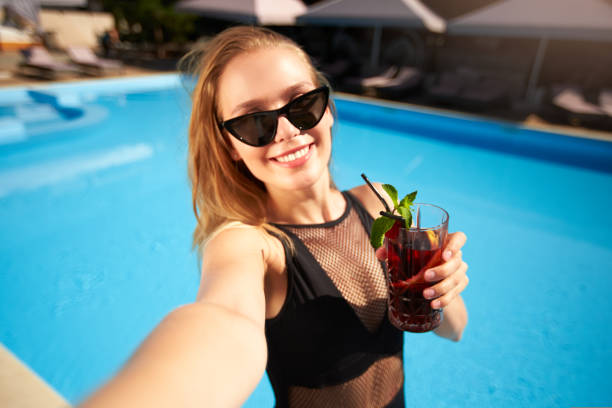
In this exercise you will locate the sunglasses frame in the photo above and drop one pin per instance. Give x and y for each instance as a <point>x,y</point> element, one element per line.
<point>227,124</point>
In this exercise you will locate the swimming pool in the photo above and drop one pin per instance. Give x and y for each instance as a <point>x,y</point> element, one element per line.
<point>96,221</point>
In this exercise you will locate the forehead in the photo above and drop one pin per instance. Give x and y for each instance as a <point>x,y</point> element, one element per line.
<point>263,76</point>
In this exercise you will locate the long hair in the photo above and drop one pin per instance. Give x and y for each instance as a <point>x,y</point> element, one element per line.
<point>223,189</point>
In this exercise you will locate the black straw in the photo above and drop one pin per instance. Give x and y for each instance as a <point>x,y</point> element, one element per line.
<point>382,200</point>
<point>395,217</point>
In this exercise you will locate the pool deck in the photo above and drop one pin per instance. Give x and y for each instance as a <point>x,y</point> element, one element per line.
<point>10,77</point>
<point>20,387</point>
<point>9,61</point>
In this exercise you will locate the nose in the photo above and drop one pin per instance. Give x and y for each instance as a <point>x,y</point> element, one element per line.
<point>285,130</point>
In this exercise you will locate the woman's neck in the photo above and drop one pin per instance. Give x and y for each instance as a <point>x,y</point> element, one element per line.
<point>315,205</point>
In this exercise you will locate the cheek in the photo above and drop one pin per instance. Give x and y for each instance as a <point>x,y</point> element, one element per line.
<point>328,119</point>
<point>325,128</point>
<point>251,156</point>
<point>239,150</point>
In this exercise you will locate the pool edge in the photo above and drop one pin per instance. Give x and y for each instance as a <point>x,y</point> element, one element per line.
<point>21,387</point>
<point>562,130</point>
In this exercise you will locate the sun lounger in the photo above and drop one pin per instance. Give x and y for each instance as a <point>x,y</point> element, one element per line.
<point>405,76</point>
<point>407,79</point>
<point>570,103</point>
<point>361,84</point>
<point>381,79</point>
<point>572,100</point>
<point>487,92</point>
<point>38,62</point>
<point>90,63</point>
<point>339,71</point>
<point>605,101</point>
<point>450,84</point>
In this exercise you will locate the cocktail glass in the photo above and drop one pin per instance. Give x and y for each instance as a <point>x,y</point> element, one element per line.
<point>411,252</point>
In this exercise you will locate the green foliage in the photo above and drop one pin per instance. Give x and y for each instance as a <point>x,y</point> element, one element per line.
<point>380,226</point>
<point>408,199</point>
<point>389,189</point>
<point>406,215</point>
<point>159,22</point>
<point>383,223</point>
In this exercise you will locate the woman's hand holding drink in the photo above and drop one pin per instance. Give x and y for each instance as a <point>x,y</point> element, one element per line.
<point>425,271</point>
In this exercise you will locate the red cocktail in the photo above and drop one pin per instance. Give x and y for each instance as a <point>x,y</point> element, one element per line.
<point>411,252</point>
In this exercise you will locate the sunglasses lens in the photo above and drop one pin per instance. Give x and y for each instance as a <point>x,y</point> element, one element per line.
<point>256,130</point>
<point>259,129</point>
<point>306,111</point>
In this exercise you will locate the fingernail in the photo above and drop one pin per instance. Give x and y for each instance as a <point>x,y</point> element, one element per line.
<point>447,254</point>
<point>429,293</point>
<point>429,275</point>
<point>435,304</point>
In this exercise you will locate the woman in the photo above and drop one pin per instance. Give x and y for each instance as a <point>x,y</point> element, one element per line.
<point>289,279</point>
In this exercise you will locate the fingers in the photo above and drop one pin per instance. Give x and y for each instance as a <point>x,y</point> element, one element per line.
<point>454,243</point>
<point>450,276</point>
<point>446,290</point>
<point>444,270</point>
<point>381,253</point>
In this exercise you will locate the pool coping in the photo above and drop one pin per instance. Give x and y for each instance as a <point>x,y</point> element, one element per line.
<point>145,81</point>
<point>21,387</point>
<point>576,147</point>
<point>482,133</point>
<point>563,130</point>
<point>141,82</point>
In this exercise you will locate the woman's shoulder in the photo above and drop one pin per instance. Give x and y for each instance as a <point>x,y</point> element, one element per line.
<point>368,199</point>
<point>237,239</point>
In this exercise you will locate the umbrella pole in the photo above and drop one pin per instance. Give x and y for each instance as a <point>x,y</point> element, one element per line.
<point>535,70</point>
<point>375,46</point>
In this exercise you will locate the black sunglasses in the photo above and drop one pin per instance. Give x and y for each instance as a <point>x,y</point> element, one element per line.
<point>259,128</point>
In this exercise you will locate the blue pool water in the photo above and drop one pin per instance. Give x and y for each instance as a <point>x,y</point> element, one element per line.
<point>95,225</point>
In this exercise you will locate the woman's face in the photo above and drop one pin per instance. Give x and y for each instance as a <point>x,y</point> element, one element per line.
<point>264,80</point>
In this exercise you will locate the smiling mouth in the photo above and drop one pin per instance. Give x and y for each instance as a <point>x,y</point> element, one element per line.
<point>294,155</point>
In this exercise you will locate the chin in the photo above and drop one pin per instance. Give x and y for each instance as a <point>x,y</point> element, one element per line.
<point>306,179</point>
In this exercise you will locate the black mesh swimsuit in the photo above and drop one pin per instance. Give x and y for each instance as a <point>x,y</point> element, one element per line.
<point>332,344</point>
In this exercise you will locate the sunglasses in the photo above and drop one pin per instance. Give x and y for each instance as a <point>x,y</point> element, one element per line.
<point>259,128</point>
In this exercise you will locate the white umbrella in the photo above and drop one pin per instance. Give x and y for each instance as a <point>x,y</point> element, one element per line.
<point>263,12</point>
<point>544,19</point>
<point>369,13</point>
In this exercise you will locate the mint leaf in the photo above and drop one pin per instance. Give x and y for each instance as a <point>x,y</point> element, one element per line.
<point>383,224</point>
<point>380,226</point>
<point>392,193</point>
<point>408,200</point>
<point>406,215</point>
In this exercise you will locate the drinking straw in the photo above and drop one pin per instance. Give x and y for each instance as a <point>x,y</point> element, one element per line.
<point>382,200</point>
<point>394,216</point>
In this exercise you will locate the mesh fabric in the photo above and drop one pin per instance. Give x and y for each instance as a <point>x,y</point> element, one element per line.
<point>374,388</point>
<point>344,252</point>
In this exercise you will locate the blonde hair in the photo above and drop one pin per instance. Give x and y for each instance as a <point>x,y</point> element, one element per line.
<point>223,189</point>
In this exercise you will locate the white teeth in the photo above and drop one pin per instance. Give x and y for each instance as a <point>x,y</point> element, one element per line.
<point>293,156</point>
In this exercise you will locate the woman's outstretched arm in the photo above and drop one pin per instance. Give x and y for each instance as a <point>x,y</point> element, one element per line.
<point>211,353</point>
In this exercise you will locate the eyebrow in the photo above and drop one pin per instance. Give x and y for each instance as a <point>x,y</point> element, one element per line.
<point>288,94</point>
